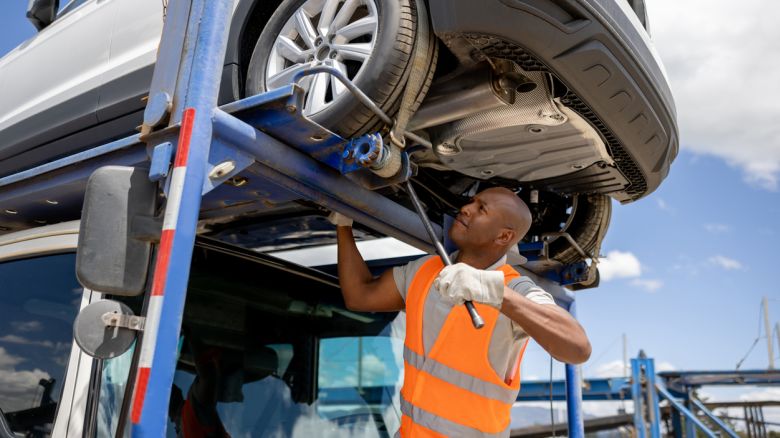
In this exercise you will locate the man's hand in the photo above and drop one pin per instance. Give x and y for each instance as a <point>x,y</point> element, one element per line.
<point>460,282</point>
<point>339,220</point>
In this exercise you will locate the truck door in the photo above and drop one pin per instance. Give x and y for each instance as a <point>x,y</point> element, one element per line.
<point>39,365</point>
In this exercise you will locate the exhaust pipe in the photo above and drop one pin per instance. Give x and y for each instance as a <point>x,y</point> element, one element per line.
<point>469,93</point>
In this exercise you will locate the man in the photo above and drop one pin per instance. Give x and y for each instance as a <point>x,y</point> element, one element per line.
<point>460,381</point>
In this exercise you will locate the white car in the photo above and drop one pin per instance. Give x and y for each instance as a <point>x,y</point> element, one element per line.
<point>565,101</point>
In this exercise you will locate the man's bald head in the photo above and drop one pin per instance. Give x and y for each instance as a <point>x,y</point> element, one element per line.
<point>516,212</point>
<point>494,220</point>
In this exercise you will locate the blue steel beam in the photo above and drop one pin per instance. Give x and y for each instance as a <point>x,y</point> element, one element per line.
<point>654,411</point>
<point>690,418</point>
<point>639,401</point>
<point>677,381</point>
<point>700,406</point>
<point>593,390</point>
<point>316,181</point>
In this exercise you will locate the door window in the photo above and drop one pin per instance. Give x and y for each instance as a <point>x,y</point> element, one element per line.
<point>39,299</point>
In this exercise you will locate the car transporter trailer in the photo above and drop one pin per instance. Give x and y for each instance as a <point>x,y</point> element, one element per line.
<point>189,148</point>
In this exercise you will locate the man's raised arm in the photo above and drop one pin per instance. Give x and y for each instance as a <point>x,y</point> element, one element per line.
<point>362,292</point>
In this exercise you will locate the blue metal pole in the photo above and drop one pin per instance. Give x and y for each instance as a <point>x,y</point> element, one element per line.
<point>690,425</point>
<point>677,423</point>
<point>208,23</point>
<point>574,394</point>
<point>638,395</point>
<point>652,400</point>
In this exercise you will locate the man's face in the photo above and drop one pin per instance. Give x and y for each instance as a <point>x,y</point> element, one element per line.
<point>483,221</point>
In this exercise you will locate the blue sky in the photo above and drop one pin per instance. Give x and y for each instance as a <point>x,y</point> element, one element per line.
<point>690,263</point>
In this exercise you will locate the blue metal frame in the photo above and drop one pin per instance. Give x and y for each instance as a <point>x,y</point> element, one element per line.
<point>207,35</point>
<point>639,402</point>
<point>267,132</point>
<point>609,389</point>
<point>574,393</point>
<point>714,418</point>
<point>690,418</point>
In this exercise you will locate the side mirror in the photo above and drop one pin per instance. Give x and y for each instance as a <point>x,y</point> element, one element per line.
<point>41,13</point>
<point>117,229</point>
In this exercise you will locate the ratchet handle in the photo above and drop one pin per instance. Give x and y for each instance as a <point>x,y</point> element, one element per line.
<point>475,318</point>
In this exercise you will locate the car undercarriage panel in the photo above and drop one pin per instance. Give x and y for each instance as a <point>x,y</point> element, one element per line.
<point>599,52</point>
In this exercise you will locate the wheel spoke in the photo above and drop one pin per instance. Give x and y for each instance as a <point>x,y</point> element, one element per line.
<point>336,84</point>
<point>305,29</point>
<point>287,49</point>
<point>355,52</point>
<point>345,13</point>
<point>326,16</point>
<point>284,77</point>
<point>315,99</point>
<point>364,26</point>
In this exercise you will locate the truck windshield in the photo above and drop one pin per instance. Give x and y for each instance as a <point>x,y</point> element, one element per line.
<point>269,352</point>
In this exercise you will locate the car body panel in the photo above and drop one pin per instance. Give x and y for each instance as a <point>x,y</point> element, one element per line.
<point>51,84</point>
<point>106,104</point>
<point>133,51</point>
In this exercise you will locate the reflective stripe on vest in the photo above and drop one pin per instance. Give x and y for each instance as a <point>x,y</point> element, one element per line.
<point>453,390</point>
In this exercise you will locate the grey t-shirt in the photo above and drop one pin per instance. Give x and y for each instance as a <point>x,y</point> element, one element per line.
<point>508,336</point>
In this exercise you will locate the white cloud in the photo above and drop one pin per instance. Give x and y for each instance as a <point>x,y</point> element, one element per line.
<point>724,262</point>
<point>613,368</point>
<point>27,326</point>
<point>662,205</point>
<point>619,264</point>
<point>8,360</point>
<point>19,386</point>
<point>723,64</point>
<point>648,284</point>
<point>14,339</point>
<point>761,394</point>
<point>717,228</point>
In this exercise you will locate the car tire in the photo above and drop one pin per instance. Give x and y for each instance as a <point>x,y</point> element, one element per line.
<point>382,76</point>
<point>587,228</point>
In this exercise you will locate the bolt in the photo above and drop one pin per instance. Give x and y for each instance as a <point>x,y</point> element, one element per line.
<point>291,108</point>
<point>347,154</point>
<point>333,55</point>
<point>222,169</point>
<point>237,181</point>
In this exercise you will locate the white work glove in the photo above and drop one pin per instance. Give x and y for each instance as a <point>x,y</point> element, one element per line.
<point>460,282</point>
<point>339,219</point>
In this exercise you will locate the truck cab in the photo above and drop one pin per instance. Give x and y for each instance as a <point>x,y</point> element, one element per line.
<point>267,348</point>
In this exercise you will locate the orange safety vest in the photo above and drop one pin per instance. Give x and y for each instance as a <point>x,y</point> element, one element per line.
<point>453,390</point>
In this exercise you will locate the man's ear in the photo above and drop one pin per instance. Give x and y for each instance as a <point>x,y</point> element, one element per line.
<point>505,237</point>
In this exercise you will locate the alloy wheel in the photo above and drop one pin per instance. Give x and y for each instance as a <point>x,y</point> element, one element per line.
<point>336,33</point>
